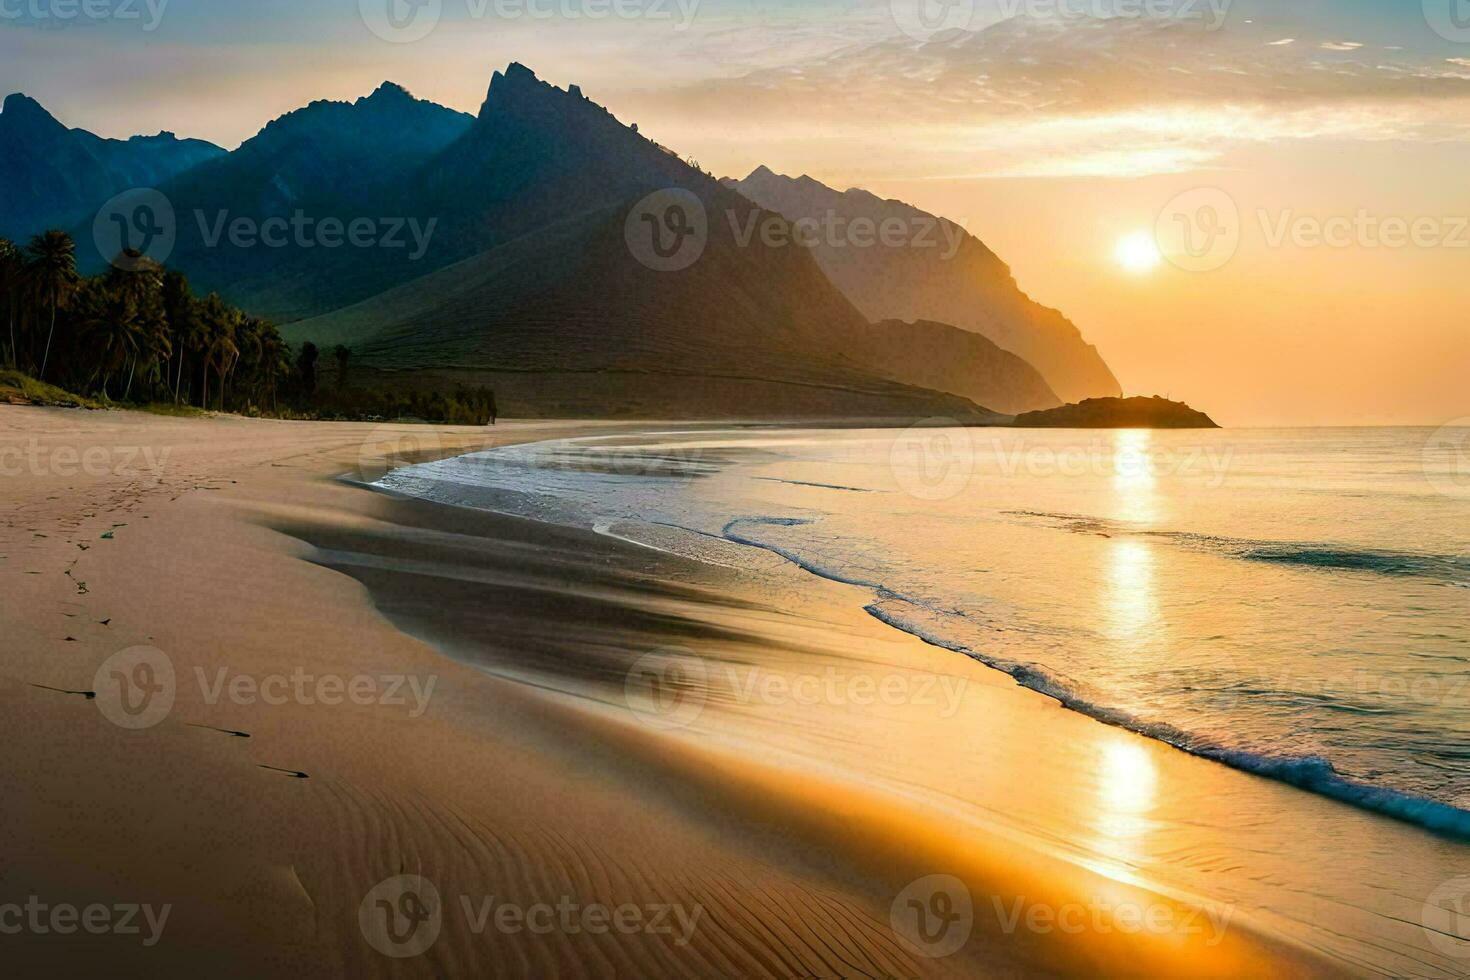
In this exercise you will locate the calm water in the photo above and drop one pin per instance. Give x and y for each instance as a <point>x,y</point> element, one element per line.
<point>1291,602</point>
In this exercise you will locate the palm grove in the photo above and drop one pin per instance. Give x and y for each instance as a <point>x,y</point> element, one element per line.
<point>137,333</point>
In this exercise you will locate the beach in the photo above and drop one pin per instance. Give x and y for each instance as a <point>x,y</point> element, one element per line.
<point>396,737</point>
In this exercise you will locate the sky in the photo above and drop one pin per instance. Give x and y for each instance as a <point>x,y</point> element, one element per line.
<point>1259,207</point>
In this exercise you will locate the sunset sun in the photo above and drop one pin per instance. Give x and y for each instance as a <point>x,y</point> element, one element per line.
<point>1138,253</point>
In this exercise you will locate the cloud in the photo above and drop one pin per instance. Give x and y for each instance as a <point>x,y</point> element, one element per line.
<point>1091,96</point>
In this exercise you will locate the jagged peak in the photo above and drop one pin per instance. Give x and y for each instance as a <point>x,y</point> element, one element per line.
<point>518,87</point>
<point>388,90</point>
<point>516,77</point>
<point>20,103</point>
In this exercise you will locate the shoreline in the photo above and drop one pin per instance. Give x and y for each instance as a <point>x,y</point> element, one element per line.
<point>525,775</point>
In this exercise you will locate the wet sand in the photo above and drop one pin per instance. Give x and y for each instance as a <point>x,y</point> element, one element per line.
<point>408,739</point>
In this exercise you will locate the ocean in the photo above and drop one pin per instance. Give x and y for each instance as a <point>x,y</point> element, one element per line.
<point>1288,602</point>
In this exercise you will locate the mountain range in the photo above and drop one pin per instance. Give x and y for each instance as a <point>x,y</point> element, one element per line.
<point>53,177</point>
<point>529,267</point>
<point>933,269</point>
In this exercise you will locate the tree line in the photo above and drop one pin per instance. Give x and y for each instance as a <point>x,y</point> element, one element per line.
<point>138,334</point>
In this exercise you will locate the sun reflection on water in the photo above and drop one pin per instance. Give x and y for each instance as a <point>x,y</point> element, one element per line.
<point>1130,602</point>
<point>1127,783</point>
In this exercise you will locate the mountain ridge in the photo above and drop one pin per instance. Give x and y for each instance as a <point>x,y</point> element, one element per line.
<point>935,270</point>
<point>52,176</point>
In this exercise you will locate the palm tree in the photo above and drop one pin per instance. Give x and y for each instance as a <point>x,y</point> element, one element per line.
<point>115,331</point>
<point>275,360</point>
<point>220,323</point>
<point>138,283</point>
<point>12,267</point>
<point>343,356</point>
<point>182,324</point>
<point>52,273</point>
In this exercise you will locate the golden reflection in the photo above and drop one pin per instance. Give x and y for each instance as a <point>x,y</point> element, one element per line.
<point>1126,787</point>
<point>1132,463</point>
<point>1128,777</point>
<point>1130,602</point>
<point>1133,476</point>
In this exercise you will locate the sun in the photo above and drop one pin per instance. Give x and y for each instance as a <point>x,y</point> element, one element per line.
<point>1138,253</point>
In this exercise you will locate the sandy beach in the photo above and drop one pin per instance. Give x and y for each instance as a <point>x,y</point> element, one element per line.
<point>290,725</point>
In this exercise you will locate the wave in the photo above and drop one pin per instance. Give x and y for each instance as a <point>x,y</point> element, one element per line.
<point>1314,774</point>
<point>819,486</point>
<point>1451,569</point>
